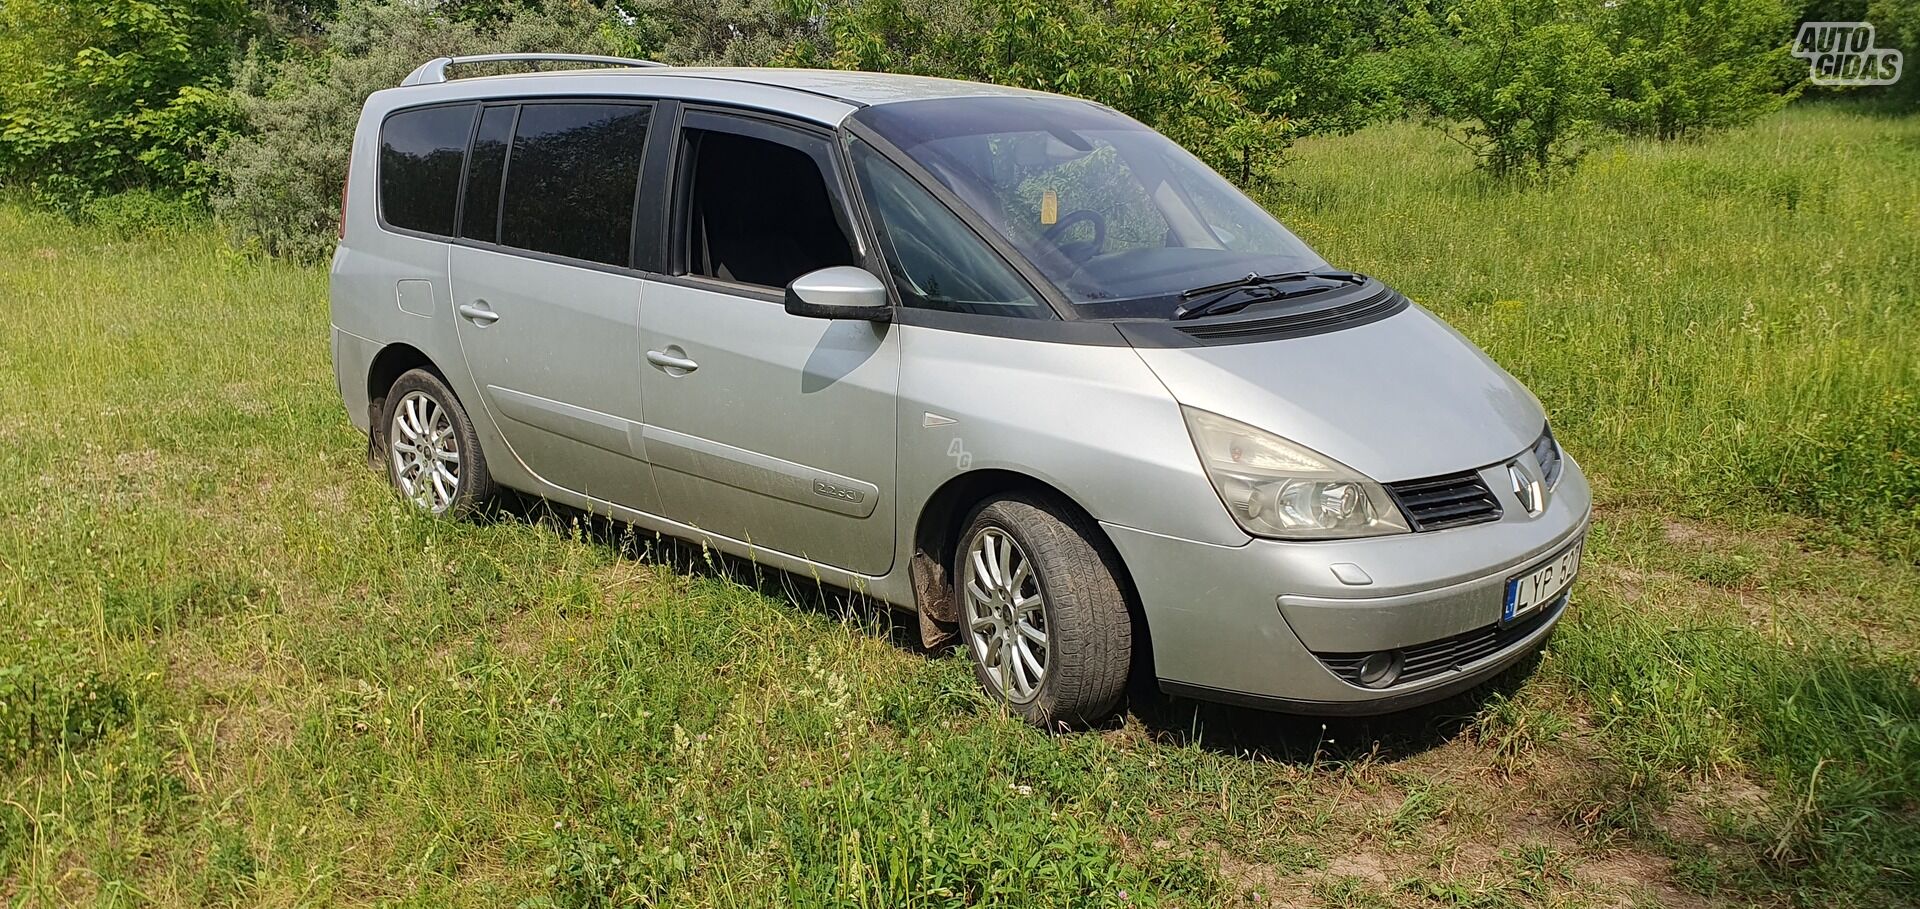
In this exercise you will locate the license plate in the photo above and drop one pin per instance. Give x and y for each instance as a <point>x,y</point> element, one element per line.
<point>1529,592</point>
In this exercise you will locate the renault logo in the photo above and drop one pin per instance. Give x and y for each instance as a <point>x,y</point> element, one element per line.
<point>1527,486</point>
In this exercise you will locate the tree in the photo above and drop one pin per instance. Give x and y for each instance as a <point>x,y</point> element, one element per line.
<point>102,96</point>
<point>1312,62</point>
<point>1682,66</point>
<point>1519,83</point>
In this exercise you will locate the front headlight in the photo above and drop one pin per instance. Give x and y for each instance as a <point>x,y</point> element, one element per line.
<point>1275,488</point>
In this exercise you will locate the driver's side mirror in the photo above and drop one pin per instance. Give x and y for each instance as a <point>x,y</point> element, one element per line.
<point>840,292</point>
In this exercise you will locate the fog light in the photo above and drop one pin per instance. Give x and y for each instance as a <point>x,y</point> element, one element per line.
<point>1379,670</point>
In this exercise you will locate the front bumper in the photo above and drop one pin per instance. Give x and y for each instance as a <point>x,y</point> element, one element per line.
<point>1258,623</point>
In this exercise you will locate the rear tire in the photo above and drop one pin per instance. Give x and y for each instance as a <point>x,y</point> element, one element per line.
<point>1042,612</point>
<point>432,454</point>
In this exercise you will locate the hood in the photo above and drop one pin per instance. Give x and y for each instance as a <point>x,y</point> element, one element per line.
<point>1401,398</point>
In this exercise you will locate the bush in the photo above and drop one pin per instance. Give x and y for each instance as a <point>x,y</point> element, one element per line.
<point>141,211</point>
<point>102,96</point>
<point>1681,66</point>
<point>1519,83</point>
<point>281,174</point>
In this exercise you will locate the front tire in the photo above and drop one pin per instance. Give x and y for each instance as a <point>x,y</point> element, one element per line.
<point>1042,612</point>
<point>433,456</point>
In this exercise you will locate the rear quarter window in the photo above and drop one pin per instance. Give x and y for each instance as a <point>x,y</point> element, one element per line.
<point>422,153</point>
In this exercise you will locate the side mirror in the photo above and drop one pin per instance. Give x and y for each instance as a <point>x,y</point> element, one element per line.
<point>840,292</point>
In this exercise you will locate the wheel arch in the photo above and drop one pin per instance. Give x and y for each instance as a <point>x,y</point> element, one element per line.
<point>941,520</point>
<point>392,362</point>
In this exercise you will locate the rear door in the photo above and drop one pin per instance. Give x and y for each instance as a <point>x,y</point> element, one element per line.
<point>546,300</point>
<point>764,427</point>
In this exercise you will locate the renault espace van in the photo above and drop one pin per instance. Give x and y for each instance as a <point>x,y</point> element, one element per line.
<point>1009,360</point>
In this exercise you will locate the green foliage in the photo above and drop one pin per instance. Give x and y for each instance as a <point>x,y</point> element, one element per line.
<point>1320,66</point>
<point>100,96</point>
<point>1681,66</point>
<point>140,211</point>
<point>1162,62</point>
<point>1897,24</point>
<point>723,32</point>
<point>1856,467</point>
<point>281,175</point>
<point>1519,83</point>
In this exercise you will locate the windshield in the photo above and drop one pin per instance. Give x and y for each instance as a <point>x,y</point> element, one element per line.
<point>1118,217</point>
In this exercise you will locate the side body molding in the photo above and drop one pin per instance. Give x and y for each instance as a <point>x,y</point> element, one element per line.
<point>601,430</point>
<point>736,467</point>
<point>755,472</point>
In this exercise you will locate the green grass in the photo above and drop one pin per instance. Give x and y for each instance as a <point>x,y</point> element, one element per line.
<point>238,673</point>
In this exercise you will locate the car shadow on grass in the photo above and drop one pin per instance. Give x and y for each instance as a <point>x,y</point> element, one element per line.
<point>1293,738</point>
<point>687,558</point>
<point>1243,732</point>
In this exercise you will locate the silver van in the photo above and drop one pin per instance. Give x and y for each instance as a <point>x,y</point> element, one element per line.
<point>1007,359</point>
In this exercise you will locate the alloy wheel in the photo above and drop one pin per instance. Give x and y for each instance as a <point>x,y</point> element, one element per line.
<point>1006,614</point>
<point>426,452</point>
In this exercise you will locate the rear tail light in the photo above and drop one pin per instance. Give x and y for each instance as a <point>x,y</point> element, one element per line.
<point>343,200</point>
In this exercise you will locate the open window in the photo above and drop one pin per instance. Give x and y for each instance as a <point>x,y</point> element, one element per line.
<point>758,206</point>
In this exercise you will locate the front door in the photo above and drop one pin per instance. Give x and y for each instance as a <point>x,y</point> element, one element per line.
<point>547,308</point>
<point>767,428</point>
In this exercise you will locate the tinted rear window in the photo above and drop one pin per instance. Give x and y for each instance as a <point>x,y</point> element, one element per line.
<point>571,177</point>
<point>421,155</point>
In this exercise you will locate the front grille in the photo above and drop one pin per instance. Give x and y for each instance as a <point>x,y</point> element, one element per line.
<point>1447,654</point>
<point>1437,503</point>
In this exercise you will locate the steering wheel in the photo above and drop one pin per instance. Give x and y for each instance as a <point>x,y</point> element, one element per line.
<point>1079,251</point>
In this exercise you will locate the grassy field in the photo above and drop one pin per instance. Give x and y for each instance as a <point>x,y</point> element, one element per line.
<point>238,672</point>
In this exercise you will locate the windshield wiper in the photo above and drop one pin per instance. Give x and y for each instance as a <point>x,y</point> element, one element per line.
<point>1220,297</point>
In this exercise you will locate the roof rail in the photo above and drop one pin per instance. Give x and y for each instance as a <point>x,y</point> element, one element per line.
<point>435,70</point>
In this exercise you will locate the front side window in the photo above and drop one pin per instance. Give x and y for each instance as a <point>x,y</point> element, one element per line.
<point>936,260</point>
<point>1119,218</point>
<point>422,152</point>
<point>759,211</point>
<point>570,179</point>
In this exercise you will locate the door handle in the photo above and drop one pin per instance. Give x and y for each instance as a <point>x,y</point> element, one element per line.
<point>671,362</point>
<point>479,313</point>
